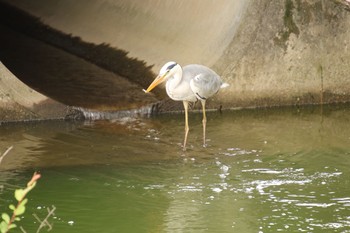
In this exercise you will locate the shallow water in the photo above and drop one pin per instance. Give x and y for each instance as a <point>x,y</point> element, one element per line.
<point>277,170</point>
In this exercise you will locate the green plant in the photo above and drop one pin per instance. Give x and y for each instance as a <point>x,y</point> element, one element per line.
<point>8,222</point>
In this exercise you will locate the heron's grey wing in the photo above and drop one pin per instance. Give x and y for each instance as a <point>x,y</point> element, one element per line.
<point>204,85</point>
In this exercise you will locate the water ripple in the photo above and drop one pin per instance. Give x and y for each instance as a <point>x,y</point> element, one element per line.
<point>238,151</point>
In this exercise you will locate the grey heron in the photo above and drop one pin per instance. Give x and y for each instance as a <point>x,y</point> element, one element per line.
<point>189,84</point>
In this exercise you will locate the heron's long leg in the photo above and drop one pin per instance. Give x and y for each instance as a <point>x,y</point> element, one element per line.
<point>186,123</point>
<point>204,121</point>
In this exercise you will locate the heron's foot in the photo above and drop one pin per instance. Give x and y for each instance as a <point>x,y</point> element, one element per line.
<point>205,143</point>
<point>187,147</point>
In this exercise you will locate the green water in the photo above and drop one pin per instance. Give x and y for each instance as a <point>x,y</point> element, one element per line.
<point>279,170</point>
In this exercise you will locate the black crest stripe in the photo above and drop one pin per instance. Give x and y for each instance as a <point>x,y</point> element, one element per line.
<point>171,66</point>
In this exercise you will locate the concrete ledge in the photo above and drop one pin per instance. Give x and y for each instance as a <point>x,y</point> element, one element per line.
<point>18,102</point>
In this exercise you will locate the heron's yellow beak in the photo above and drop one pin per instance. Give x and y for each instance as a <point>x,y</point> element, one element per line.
<point>156,82</point>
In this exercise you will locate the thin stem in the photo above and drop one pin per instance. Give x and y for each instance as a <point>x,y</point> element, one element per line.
<point>5,153</point>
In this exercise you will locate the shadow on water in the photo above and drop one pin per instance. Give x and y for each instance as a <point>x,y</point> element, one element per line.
<point>131,175</point>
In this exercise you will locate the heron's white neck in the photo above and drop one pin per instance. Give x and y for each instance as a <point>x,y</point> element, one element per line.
<point>176,77</point>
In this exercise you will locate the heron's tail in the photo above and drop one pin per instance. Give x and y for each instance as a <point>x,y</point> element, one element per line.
<point>224,85</point>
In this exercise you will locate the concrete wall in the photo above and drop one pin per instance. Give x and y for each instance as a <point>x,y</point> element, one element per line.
<point>152,30</point>
<point>271,53</point>
<point>18,102</point>
<point>289,52</point>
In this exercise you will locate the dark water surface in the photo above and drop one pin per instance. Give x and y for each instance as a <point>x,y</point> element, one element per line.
<point>278,170</point>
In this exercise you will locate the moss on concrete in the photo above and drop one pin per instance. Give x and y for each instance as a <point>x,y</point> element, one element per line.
<point>289,25</point>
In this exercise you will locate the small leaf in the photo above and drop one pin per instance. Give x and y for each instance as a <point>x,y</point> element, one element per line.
<point>12,207</point>
<point>12,226</point>
<point>17,219</point>
<point>19,194</point>
<point>6,217</point>
<point>24,201</point>
<point>3,227</point>
<point>20,210</point>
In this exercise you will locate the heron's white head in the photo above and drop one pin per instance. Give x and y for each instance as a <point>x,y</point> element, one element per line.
<point>167,71</point>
